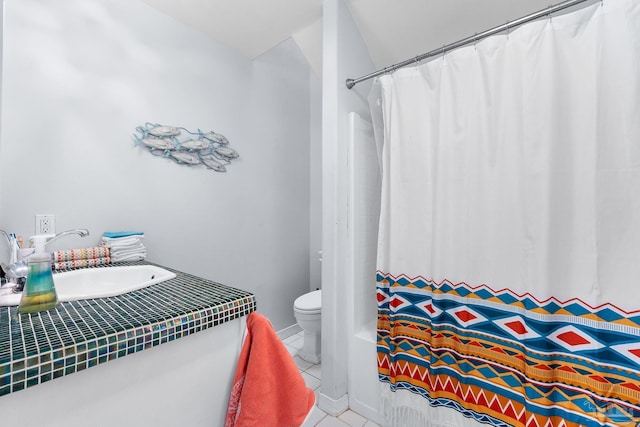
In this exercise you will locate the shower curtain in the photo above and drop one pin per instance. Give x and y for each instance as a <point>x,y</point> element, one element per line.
<point>508,279</point>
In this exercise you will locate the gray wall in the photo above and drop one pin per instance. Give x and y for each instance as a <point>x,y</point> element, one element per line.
<point>80,76</point>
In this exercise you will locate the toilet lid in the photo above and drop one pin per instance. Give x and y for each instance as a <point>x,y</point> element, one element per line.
<point>309,302</point>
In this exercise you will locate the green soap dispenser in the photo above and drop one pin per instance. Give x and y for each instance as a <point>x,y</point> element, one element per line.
<point>39,292</point>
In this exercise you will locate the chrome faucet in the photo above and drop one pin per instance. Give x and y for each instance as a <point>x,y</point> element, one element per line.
<point>82,232</point>
<point>16,272</point>
<point>5,251</point>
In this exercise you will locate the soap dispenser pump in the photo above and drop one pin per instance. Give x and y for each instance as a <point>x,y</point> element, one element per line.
<point>39,292</point>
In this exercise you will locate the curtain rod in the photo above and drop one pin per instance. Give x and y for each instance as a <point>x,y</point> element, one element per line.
<point>472,39</point>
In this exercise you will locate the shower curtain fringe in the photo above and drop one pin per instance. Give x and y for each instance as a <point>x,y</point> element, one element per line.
<point>400,407</point>
<point>472,39</point>
<point>405,415</point>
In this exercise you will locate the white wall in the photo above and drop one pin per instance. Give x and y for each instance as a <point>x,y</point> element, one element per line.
<point>1,68</point>
<point>315,190</point>
<point>345,55</point>
<point>80,76</point>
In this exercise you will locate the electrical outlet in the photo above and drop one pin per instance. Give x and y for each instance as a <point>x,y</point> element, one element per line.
<point>45,224</point>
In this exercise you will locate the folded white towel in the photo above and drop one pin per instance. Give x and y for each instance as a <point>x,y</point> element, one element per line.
<point>122,241</point>
<point>128,251</point>
<point>129,257</point>
<point>126,248</point>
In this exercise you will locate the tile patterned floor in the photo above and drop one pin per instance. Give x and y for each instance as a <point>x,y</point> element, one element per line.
<point>313,377</point>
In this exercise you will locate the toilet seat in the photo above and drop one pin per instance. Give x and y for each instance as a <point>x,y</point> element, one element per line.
<point>307,310</point>
<point>309,303</point>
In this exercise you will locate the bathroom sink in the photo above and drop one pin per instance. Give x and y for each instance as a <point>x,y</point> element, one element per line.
<point>107,282</point>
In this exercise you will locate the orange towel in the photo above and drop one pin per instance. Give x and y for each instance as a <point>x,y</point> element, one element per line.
<point>268,390</point>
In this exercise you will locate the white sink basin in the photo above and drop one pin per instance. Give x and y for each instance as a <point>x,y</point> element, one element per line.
<point>107,282</point>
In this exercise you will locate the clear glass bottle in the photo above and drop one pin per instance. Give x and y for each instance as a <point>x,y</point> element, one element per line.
<point>39,292</point>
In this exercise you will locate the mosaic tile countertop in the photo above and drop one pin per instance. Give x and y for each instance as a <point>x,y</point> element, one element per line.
<point>76,335</point>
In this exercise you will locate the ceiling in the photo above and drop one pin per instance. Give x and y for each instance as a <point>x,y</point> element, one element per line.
<point>393,30</point>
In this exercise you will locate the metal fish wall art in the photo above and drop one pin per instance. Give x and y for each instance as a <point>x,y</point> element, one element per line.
<point>209,149</point>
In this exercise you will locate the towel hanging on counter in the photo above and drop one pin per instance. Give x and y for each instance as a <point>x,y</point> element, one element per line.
<point>268,389</point>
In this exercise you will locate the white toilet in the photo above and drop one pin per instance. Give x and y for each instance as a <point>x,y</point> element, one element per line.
<point>307,309</point>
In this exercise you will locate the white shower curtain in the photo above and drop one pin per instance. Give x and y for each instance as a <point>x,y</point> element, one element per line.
<point>509,244</point>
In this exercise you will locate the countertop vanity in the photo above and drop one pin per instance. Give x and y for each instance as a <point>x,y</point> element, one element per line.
<point>161,355</point>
